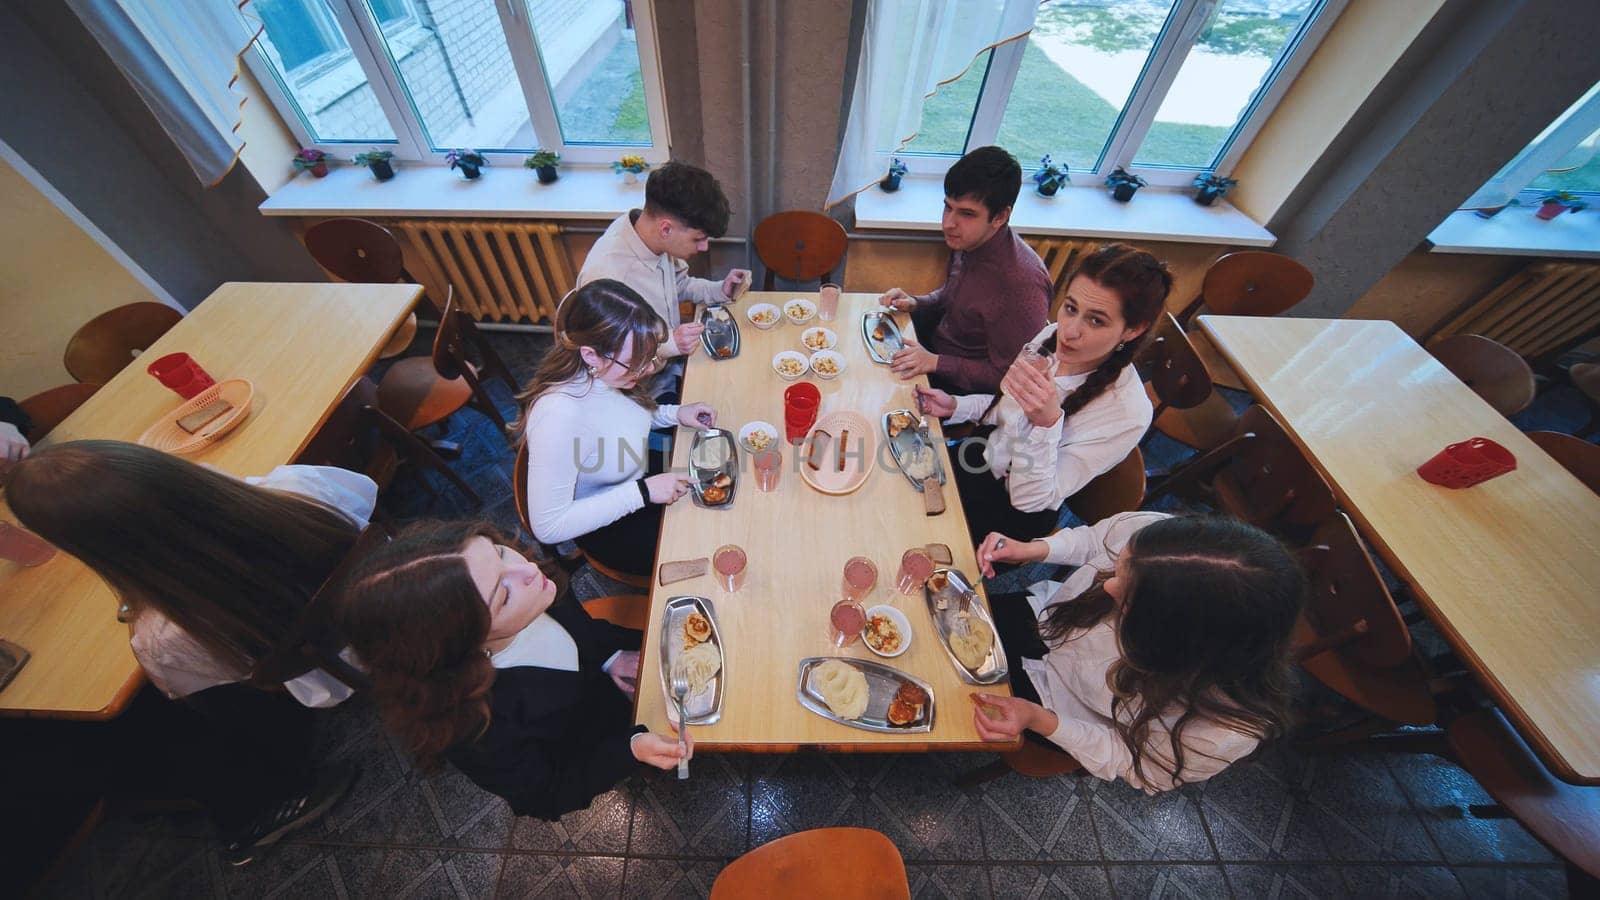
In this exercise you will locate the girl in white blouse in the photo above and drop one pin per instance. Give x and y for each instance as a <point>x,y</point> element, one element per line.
<point>1045,437</point>
<point>587,423</point>
<point>1162,659</point>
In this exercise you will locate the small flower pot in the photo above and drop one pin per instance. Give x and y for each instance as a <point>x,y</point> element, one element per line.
<point>630,177</point>
<point>890,183</point>
<point>320,169</point>
<point>1046,190</point>
<point>1549,210</point>
<point>469,171</point>
<point>1122,193</point>
<point>547,174</point>
<point>381,170</point>
<point>1207,196</point>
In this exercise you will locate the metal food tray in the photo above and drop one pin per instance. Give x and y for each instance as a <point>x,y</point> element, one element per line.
<point>719,332</point>
<point>908,440</point>
<point>882,683</point>
<point>704,708</point>
<point>994,667</point>
<point>881,351</point>
<point>701,475</point>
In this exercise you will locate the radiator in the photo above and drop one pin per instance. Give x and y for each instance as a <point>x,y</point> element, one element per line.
<point>1060,255</point>
<point>1538,312</point>
<point>502,270</point>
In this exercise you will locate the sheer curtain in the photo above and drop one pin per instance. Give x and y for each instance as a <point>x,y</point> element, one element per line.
<point>910,49</point>
<point>182,56</point>
<point>1556,146</point>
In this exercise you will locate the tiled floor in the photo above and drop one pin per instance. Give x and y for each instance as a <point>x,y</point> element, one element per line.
<point>1283,825</point>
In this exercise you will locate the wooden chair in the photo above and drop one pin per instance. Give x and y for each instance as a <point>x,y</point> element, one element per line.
<point>1586,378</point>
<point>362,252</point>
<point>1576,455</point>
<point>1187,407</point>
<point>1117,490</point>
<point>423,391</point>
<point>411,449</point>
<point>1260,476</point>
<point>627,610</point>
<point>105,344</point>
<point>519,494</point>
<point>799,245</point>
<point>836,863</point>
<point>1245,283</point>
<point>1494,371</point>
<point>1032,759</point>
<point>47,409</point>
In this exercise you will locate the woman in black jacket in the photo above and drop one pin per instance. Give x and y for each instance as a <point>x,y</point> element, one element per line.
<point>475,659</point>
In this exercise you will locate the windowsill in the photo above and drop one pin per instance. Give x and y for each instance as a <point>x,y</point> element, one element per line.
<point>1076,211</point>
<point>1515,232</point>
<point>435,191</point>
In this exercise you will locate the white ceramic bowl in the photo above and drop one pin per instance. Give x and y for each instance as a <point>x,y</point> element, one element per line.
<point>838,363</point>
<point>799,310</point>
<point>761,309</point>
<point>766,428</point>
<point>900,621</point>
<point>797,357</point>
<point>824,338</point>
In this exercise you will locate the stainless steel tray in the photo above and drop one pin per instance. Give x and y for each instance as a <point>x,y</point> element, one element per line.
<point>704,708</point>
<point>910,441</point>
<point>994,667</point>
<point>707,460</point>
<point>884,350</point>
<point>882,682</point>
<point>722,330</point>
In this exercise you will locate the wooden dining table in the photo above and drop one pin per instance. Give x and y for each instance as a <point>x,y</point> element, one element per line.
<point>797,540</point>
<point>301,346</point>
<point>1509,570</point>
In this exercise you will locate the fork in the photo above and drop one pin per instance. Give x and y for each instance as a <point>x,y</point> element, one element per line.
<point>964,613</point>
<point>680,690</point>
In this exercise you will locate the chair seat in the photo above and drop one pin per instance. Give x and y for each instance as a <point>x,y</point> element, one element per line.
<point>413,394</point>
<point>1586,376</point>
<point>1222,372</point>
<point>47,409</point>
<point>1203,427</point>
<point>627,610</point>
<point>836,863</point>
<point>1037,761</point>
<point>1399,693</point>
<point>401,339</point>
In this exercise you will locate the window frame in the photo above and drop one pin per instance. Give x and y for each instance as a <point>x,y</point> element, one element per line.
<point>368,47</point>
<point>1177,38</point>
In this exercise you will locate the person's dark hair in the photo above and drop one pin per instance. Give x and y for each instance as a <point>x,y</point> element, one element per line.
<point>230,563</point>
<point>1209,607</point>
<point>1142,283</point>
<point>602,314</point>
<point>689,194</point>
<point>414,617</point>
<point>988,173</point>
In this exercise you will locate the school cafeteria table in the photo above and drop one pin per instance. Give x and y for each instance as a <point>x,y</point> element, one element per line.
<point>1509,569</point>
<point>797,541</point>
<point>301,346</point>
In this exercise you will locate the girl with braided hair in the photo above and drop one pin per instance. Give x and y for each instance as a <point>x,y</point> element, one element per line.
<point>1045,437</point>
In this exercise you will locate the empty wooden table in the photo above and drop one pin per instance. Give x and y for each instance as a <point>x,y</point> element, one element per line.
<point>797,541</point>
<point>301,346</point>
<point>1509,569</point>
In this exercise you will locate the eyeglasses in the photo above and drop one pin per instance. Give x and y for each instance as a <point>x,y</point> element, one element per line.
<point>653,365</point>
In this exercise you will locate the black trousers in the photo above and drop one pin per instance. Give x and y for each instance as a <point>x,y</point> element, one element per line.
<point>1019,634</point>
<point>629,544</point>
<point>988,505</point>
<point>255,748</point>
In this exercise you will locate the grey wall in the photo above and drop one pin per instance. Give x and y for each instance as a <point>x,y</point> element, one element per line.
<point>1481,81</point>
<point>67,110</point>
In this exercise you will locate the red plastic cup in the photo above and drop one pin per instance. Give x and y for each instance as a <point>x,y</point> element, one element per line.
<point>180,373</point>
<point>800,403</point>
<point>1467,463</point>
<point>23,547</point>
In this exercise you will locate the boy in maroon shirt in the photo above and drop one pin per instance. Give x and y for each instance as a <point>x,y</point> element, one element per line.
<point>997,293</point>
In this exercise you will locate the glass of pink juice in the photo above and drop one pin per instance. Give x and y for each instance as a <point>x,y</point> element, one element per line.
<point>1033,357</point>
<point>860,576</point>
<point>23,547</point>
<point>828,303</point>
<point>915,567</point>
<point>768,464</point>
<point>730,564</point>
<point>846,621</point>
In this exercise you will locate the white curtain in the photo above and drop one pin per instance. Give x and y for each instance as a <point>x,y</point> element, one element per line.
<point>1569,142</point>
<point>909,50</point>
<point>182,56</point>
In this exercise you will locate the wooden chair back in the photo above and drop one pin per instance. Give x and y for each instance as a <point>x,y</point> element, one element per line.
<point>799,245</point>
<point>356,250</point>
<point>1117,490</point>
<point>1348,607</point>
<point>519,489</point>
<point>105,344</point>
<point>1576,455</point>
<point>1269,482</point>
<point>1174,371</point>
<point>313,641</point>
<point>1494,371</point>
<point>837,863</point>
<point>1251,283</point>
<point>47,409</point>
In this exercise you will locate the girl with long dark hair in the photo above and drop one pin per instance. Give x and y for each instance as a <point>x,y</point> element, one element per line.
<point>478,659</point>
<point>1044,438</point>
<point>1162,659</point>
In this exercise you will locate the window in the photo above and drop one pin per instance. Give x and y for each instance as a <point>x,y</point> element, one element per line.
<point>421,77</point>
<point>1164,88</point>
<point>1564,157</point>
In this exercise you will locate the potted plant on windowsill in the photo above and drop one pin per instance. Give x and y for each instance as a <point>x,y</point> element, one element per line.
<point>543,163</point>
<point>1123,184</point>
<point>378,162</point>
<point>1049,178</point>
<point>1557,202</point>
<point>312,160</point>
<point>630,166</point>
<point>891,182</point>
<point>470,162</point>
<point>1210,187</point>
